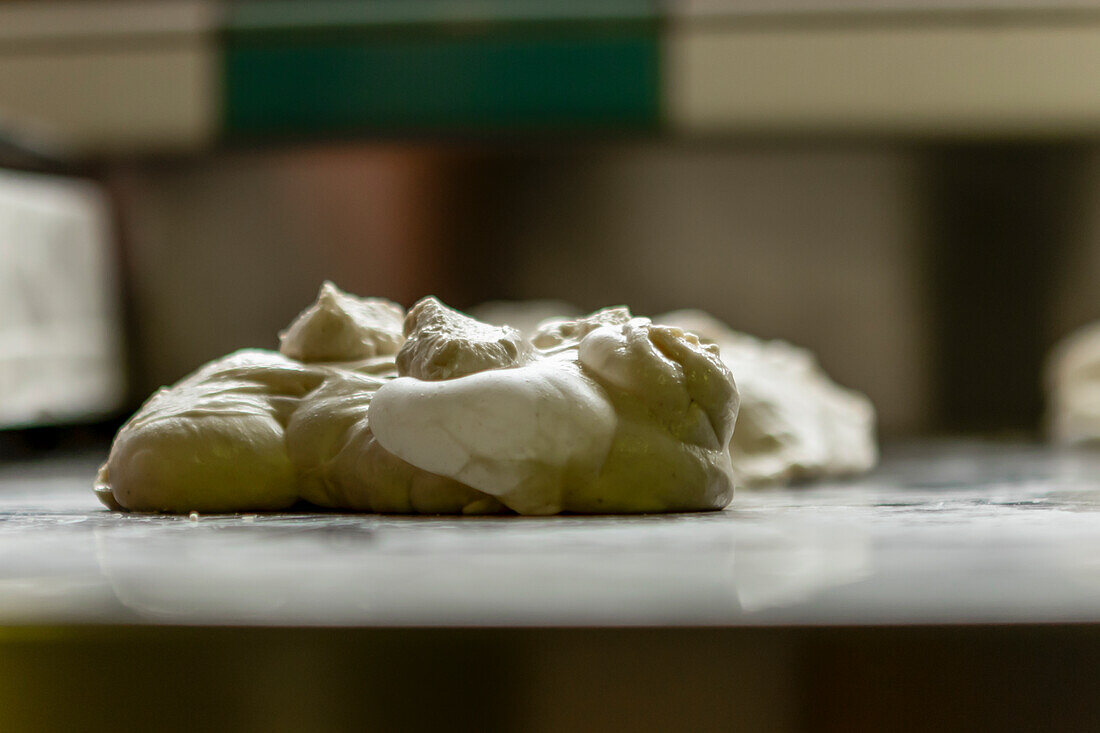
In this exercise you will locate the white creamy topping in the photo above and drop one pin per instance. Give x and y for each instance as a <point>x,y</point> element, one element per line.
<point>514,433</point>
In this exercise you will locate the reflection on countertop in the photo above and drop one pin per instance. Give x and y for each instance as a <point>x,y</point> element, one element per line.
<point>943,532</point>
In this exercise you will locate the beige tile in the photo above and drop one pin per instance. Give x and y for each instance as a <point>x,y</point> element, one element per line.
<point>94,77</point>
<point>116,99</point>
<point>884,77</point>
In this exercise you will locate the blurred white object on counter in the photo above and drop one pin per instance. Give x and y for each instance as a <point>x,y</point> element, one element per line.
<point>60,332</point>
<point>1073,388</point>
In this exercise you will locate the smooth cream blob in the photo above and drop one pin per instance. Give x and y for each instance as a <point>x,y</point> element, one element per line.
<point>438,414</point>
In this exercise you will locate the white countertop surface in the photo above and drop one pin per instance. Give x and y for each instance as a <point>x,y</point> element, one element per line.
<point>944,532</point>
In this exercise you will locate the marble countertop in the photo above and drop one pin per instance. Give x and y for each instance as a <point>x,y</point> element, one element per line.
<point>944,532</point>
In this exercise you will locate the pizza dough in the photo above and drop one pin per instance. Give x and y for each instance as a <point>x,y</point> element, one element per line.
<point>602,414</point>
<point>1073,388</point>
<point>794,422</point>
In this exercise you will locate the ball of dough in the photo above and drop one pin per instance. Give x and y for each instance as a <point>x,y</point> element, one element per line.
<point>450,415</point>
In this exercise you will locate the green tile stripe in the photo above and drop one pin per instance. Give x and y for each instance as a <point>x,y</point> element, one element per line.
<point>306,74</point>
<point>302,15</point>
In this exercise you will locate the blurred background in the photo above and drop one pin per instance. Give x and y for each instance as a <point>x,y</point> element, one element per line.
<point>910,188</point>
